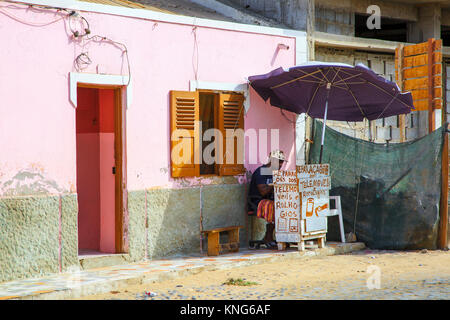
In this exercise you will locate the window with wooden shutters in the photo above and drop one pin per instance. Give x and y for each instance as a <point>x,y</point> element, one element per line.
<point>184,143</point>
<point>222,111</point>
<point>231,124</point>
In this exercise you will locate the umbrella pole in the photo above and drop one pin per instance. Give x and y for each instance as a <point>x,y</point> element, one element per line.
<point>323,128</point>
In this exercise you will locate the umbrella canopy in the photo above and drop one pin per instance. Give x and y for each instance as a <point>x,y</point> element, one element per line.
<point>352,92</point>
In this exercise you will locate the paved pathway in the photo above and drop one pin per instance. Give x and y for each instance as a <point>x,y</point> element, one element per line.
<point>427,289</point>
<point>101,280</point>
<point>404,275</point>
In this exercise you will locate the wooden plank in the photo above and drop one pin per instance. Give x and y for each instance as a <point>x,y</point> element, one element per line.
<point>422,105</point>
<point>421,48</point>
<point>98,86</point>
<point>422,71</point>
<point>443,212</point>
<point>431,117</point>
<point>437,103</point>
<point>437,93</point>
<point>321,242</point>
<point>399,53</point>
<point>437,45</point>
<point>229,246</point>
<point>421,83</point>
<point>415,49</point>
<point>119,183</point>
<point>222,229</point>
<point>424,93</point>
<point>421,60</point>
<point>233,237</point>
<point>213,244</point>
<point>313,236</point>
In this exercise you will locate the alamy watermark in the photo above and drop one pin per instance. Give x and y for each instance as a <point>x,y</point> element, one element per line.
<point>374,20</point>
<point>214,146</point>
<point>374,279</point>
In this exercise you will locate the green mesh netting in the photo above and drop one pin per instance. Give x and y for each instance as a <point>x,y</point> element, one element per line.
<point>389,193</point>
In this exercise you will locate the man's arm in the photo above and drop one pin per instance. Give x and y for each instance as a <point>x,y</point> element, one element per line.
<point>264,189</point>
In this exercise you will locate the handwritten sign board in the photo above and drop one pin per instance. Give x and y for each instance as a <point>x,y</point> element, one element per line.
<point>287,206</point>
<point>314,184</point>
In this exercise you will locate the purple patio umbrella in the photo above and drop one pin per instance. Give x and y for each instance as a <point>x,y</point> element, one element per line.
<point>334,91</point>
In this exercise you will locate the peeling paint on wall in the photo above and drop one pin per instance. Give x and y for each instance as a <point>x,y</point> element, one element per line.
<point>30,181</point>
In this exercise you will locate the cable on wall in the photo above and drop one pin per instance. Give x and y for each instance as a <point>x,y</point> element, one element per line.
<point>123,47</point>
<point>82,61</point>
<point>12,16</point>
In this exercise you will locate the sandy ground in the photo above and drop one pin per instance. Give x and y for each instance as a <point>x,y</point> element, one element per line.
<point>403,275</point>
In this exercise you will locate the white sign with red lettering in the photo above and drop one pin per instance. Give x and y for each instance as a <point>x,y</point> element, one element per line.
<point>314,184</point>
<point>287,206</point>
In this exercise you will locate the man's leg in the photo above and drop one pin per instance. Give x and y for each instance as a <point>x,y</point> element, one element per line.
<point>269,232</point>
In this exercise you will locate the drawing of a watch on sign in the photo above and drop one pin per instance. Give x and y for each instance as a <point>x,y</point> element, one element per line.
<point>310,210</point>
<point>293,225</point>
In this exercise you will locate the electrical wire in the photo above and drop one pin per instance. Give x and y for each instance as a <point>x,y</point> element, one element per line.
<point>289,120</point>
<point>195,53</point>
<point>82,60</point>
<point>98,38</point>
<point>75,33</point>
<point>10,15</point>
<point>31,5</point>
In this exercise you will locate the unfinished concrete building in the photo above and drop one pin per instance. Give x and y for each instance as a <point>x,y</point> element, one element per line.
<point>338,32</point>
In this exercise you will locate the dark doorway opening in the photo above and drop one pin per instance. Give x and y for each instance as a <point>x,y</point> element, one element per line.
<point>391,29</point>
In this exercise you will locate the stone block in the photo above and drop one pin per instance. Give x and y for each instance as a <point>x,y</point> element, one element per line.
<point>29,235</point>
<point>137,228</point>
<point>69,231</point>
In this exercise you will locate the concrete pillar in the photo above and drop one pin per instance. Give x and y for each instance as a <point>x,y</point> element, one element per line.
<point>428,24</point>
<point>295,13</point>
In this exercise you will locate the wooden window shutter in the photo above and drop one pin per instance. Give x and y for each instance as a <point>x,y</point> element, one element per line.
<point>231,117</point>
<point>184,110</point>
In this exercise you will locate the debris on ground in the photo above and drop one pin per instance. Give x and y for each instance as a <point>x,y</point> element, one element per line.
<point>150,294</point>
<point>239,282</point>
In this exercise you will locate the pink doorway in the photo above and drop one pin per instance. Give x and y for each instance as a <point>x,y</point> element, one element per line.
<point>96,170</point>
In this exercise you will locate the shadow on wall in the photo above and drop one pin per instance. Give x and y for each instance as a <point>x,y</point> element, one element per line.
<point>174,216</point>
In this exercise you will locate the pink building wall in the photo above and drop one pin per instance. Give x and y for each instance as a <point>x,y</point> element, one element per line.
<point>37,125</point>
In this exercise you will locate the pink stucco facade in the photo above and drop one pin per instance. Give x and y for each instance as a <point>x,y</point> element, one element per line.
<point>37,123</point>
<point>59,196</point>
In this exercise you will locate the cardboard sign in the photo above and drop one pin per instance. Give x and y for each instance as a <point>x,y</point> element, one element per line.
<point>314,184</point>
<point>287,206</point>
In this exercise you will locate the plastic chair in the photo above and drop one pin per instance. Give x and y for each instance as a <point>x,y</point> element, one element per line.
<point>337,212</point>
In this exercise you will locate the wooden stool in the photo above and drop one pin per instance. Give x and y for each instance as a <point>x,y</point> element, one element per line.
<point>215,247</point>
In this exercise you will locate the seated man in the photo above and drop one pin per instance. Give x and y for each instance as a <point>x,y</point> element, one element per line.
<point>260,195</point>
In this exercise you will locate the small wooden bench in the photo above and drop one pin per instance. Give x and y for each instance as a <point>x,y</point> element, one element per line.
<point>214,245</point>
